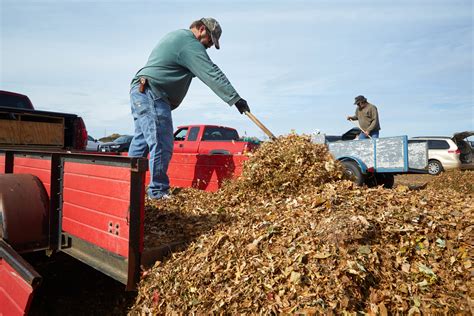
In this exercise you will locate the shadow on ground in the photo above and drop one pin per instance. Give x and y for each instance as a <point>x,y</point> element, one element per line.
<point>70,287</point>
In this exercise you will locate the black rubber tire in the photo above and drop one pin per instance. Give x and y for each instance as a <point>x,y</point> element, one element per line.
<point>352,172</point>
<point>385,179</point>
<point>371,181</point>
<point>434,167</point>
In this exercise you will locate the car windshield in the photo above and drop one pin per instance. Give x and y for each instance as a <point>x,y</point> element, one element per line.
<point>123,139</point>
<point>90,138</point>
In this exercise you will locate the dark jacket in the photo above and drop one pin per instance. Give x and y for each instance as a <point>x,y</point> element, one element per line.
<point>368,118</point>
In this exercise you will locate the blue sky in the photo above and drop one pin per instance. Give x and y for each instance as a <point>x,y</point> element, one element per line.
<point>299,64</point>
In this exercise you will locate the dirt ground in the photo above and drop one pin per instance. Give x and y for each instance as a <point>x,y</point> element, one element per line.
<point>73,288</point>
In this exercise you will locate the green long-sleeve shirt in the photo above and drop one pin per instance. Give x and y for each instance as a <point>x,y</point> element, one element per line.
<point>368,118</point>
<point>173,63</point>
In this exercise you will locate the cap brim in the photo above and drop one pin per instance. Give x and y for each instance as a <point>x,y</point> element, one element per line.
<point>215,41</point>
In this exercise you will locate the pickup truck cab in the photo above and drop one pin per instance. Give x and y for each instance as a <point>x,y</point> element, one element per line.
<point>15,100</point>
<point>209,139</point>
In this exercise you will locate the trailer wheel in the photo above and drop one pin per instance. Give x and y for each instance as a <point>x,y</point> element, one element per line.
<point>385,179</point>
<point>352,172</point>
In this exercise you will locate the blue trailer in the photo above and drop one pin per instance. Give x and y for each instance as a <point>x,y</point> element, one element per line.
<point>376,161</point>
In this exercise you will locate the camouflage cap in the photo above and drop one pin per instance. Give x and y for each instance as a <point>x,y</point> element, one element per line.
<point>360,98</point>
<point>215,29</point>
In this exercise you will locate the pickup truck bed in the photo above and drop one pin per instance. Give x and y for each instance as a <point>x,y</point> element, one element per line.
<point>25,128</point>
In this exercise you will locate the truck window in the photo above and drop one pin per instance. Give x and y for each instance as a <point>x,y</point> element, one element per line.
<point>180,134</point>
<point>193,133</point>
<point>213,133</point>
<point>17,101</point>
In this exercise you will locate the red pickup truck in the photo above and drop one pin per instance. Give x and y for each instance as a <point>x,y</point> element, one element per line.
<point>205,155</point>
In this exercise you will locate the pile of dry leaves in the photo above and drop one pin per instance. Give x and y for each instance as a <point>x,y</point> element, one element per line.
<point>458,180</point>
<point>291,236</point>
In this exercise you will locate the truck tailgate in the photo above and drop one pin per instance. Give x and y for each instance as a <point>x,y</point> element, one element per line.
<point>204,171</point>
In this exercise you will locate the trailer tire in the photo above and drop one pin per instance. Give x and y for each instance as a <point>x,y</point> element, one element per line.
<point>385,179</point>
<point>352,172</point>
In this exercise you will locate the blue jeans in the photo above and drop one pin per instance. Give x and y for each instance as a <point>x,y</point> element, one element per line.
<point>373,134</point>
<point>154,135</point>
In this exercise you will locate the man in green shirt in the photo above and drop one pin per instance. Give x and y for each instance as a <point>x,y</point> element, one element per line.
<point>160,87</point>
<point>368,118</point>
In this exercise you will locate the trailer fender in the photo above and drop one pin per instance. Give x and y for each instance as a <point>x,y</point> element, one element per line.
<point>362,166</point>
<point>24,212</point>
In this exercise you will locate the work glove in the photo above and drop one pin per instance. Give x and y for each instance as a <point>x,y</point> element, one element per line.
<point>242,106</point>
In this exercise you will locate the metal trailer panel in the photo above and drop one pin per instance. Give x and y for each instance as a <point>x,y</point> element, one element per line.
<point>106,236</point>
<point>363,150</point>
<point>391,154</point>
<point>86,212</point>
<point>417,155</point>
<point>18,281</point>
<point>318,138</point>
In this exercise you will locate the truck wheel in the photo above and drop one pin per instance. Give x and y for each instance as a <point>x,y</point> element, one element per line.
<point>434,167</point>
<point>352,172</point>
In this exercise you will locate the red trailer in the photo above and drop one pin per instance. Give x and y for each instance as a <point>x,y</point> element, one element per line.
<point>89,206</point>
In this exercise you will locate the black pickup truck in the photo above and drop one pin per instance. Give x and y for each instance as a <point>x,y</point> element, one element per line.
<point>23,126</point>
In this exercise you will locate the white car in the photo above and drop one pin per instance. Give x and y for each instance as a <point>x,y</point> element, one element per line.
<point>446,153</point>
<point>92,144</point>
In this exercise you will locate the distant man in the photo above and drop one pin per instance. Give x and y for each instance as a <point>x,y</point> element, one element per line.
<point>160,86</point>
<point>368,118</point>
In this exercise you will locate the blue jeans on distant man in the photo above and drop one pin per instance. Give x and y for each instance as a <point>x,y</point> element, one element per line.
<point>154,135</point>
<point>373,134</point>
